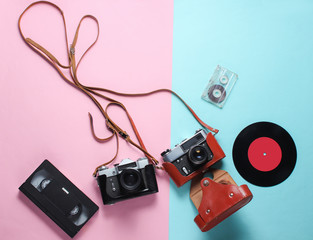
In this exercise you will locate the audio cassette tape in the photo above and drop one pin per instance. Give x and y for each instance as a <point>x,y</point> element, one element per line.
<point>220,86</point>
<point>58,198</point>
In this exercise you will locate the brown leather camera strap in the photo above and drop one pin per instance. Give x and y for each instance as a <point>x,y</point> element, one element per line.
<point>94,91</point>
<point>215,131</point>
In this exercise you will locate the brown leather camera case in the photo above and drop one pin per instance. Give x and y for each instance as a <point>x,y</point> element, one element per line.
<point>217,199</point>
<point>179,179</point>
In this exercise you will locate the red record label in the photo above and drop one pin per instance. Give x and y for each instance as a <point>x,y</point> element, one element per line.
<point>264,154</point>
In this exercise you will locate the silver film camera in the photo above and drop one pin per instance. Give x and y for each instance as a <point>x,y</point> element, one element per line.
<point>190,154</point>
<point>126,180</point>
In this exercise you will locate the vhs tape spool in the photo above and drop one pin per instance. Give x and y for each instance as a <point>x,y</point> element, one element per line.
<point>59,198</point>
<point>220,86</point>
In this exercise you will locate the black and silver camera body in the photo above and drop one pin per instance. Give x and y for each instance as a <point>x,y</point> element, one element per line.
<point>190,155</point>
<point>128,179</point>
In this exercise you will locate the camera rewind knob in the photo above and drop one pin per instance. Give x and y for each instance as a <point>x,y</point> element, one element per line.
<point>165,152</point>
<point>102,168</point>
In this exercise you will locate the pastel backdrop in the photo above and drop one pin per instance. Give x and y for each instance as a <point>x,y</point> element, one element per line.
<point>145,45</point>
<point>43,117</point>
<point>269,44</point>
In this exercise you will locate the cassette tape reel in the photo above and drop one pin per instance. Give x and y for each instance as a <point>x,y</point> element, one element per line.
<point>220,86</point>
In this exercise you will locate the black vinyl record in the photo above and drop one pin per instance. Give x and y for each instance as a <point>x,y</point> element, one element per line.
<point>264,154</point>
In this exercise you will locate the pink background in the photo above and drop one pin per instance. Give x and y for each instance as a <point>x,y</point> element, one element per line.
<point>42,117</point>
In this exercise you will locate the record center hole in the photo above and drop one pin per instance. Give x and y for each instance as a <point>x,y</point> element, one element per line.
<point>264,154</point>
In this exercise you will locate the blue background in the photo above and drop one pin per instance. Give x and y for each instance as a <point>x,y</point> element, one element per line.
<point>269,44</point>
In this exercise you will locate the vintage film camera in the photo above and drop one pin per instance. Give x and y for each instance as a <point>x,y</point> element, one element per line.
<point>189,158</point>
<point>127,180</point>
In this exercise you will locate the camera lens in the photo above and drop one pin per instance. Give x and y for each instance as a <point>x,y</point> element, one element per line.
<point>130,179</point>
<point>198,155</point>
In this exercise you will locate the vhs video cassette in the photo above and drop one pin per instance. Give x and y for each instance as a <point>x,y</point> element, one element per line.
<point>58,198</point>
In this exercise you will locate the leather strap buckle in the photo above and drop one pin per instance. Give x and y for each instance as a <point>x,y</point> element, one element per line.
<point>72,50</point>
<point>123,134</point>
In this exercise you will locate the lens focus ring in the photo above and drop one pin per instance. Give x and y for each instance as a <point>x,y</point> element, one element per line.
<point>130,179</point>
<point>198,155</point>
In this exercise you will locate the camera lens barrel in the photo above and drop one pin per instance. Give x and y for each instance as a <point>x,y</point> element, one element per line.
<point>130,179</point>
<point>198,155</point>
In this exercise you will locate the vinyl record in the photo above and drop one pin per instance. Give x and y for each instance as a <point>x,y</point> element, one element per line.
<point>217,93</point>
<point>264,154</point>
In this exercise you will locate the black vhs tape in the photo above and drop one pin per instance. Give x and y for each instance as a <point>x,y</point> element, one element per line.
<point>59,198</point>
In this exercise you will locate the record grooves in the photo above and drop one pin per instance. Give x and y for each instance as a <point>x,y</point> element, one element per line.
<point>264,154</point>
